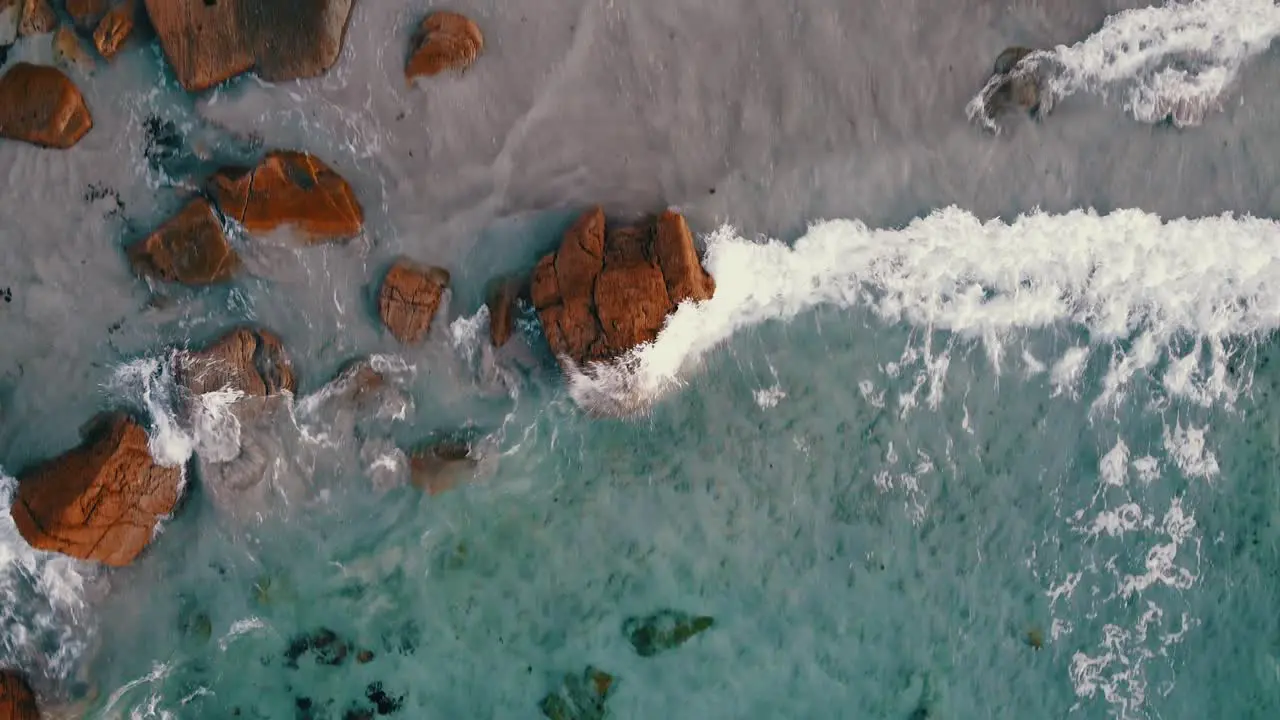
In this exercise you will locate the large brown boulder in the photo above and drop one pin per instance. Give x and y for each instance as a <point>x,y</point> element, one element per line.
<point>444,41</point>
<point>190,248</point>
<point>17,702</point>
<point>210,41</point>
<point>409,298</point>
<point>605,292</point>
<point>40,105</point>
<point>100,501</point>
<point>250,360</point>
<point>115,28</point>
<point>290,189</point>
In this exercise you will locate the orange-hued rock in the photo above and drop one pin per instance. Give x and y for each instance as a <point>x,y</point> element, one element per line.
<point>190,248</point>
<point>38,18</point>
<point>252,361</point>
<point>290,189</point>
<point>409,298</point>
<point>100,501</point>
<point>69,51</point>
<point>444,41</point>
<point>40,105</point>
<point>211,41</point>
<point>115,28</point>
<point>606,291</point>
<point>87,13</point>
<point>501,303</point>
<point>17,702</point>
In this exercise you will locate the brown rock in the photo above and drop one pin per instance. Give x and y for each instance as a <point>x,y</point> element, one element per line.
<point>87,13</point>
<point>603,293</point>
<point>290,189</point>
<point>40,105</point>
<point>17,702</point>
<point>190,248</point>
<point>440,465</point>
<point>211,41</point>
<point>409,298</point>
<point>38,18</point>
<point>250,360</point>
<point>501,303</point>
<point>69,51</point>
<point>100,501</point>
<point>444,41</point>
<point>364,656</point>
<point>115,28</point>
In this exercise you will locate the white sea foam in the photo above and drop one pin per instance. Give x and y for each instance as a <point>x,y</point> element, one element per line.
<point>1128,278</point>
<point>1175,61</point>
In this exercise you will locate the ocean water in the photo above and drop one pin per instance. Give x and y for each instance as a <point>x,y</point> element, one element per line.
<point>977,424</point>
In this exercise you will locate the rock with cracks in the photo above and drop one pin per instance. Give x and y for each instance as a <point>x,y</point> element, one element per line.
<point>444,41</point>
<point>251,361</point>
<point>40,105</point>
<point>606,291</point>
<point>290,190</point>
<point>17,702</point>
<point>114,28</point>
<point>190,249</point>
<point>100,501</point>
<point>409,297</point>
<point>210,41</point>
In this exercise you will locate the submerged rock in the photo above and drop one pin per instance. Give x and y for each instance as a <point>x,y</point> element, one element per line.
<point>502,307</point>
<point>214,40</point>
<point>602,294</point>
<point>323,643</point>
<point>190,249</point>
<point>663,630</point>
<point>444,41</point>
<point>38,18</point>
<point>252,361</point>
<point>580,697</point>
<point>409,297</point>
<point>10,16</point>
<point>69,51</point>
<point>87,13</point>
<point>100,501</point>
<point>439,465</point>
<point>290,189</point>
<point>17,702</point>
<point>114,28</point>
<point>40,105</point>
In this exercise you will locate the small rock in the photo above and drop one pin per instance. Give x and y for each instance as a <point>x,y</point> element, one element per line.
<point>290,189</point>
<point>100,501</point>
<point>38,18</point>
<point>663,630</point>
<point>444,41</point>
<point>384,703</point>
<point>10,18</point>
<point>17,702</point>
<point>40,105</point>
<point>115,28</point>
<point>1035,638</point>
<point>580,697</point>
<point>409,298</point>
<point>364,657</point>
<point>328,648</point>
<point>69,51</point>
<point>190,249</point>
<point>1014,84</point>
<point>87,13</point>
<point>252,361</point>
<point>501,303</point>
<point>440,465</point>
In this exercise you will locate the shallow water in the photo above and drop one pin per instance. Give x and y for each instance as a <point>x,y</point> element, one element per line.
<point>893,462</point>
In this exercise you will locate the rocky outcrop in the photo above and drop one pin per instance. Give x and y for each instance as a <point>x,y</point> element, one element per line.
<point>444,41</point>
<point>87,13</point>
<point>252,361</point>
<point>501,302</point>
<point>190,248</point>
<point>409,297</point>
<point>663,630</point>
<point>580,697</point>
<point>290,189</point>
<point>40,105</point>
<point>17,702</point>
<point>212,41</point>
<point>441,465</point>
<point>38,18</point>
<point>114,28</point>
<point>605,292</point>
<point>100,501</point>
<point>69,51</point>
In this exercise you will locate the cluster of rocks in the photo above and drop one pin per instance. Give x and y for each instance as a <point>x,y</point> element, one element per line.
<point>603,291</point>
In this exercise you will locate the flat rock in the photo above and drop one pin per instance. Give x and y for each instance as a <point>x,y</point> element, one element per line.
<point>290,189</point>
<point>100,501</point>
<point>38,18</point>
<point>214,40</point>
<point>606,291</point>
<point>190,249</point>
<point>252,361</point>
<point>114,28</point>
<point>409,297</point>
<point>87,13</point>
<point>444,41</point>
<point>501,302</point>
<point>17,702</point>
<point>40,105</point>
